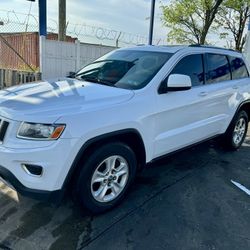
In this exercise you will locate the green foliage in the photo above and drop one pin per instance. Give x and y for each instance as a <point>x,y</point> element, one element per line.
<point>189,20</point>
<point>237,5</point>
<point>232,21</point>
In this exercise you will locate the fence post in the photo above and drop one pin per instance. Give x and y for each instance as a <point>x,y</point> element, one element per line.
<point>1,78</point>
<point>42,56</point>
<point>78,55</point>
<point>117,40</point>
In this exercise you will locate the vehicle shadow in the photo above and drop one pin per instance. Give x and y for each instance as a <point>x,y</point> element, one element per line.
<point>25,223</point>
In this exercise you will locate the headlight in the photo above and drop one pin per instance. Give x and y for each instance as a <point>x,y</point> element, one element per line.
<point>36,131</point>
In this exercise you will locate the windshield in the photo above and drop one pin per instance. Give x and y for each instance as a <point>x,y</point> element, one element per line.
<point>129,69</point>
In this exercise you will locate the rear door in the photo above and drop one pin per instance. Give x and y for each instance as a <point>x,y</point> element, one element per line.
<point>221,91</point>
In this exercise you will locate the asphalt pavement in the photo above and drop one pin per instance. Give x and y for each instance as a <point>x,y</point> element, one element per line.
<point>195,199</point>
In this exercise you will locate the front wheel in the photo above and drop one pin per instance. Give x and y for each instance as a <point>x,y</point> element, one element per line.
<point>105,177</point>
<point>236,133</point>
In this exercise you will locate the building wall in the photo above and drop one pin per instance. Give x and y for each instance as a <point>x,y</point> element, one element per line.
<point>25,44</point>
<point>60,58</point>
<point>90,52</point>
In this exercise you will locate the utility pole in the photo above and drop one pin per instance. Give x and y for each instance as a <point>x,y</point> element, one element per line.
<point>152,17</point>
<point>42,6</point>
<point>42,17</point>
<point>62,20</point>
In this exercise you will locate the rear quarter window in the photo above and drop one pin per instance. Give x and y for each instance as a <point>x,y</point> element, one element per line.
<point>238,68</point>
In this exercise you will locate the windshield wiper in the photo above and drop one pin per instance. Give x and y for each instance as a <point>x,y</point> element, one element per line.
<point>97,80</point>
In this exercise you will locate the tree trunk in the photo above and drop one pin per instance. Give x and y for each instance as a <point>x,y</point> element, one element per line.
<point>210,15</point>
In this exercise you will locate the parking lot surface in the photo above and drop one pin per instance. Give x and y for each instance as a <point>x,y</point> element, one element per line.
<point>185,201</point>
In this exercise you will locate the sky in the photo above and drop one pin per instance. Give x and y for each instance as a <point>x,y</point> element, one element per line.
<point>86,16</point>
<point>130,16</point>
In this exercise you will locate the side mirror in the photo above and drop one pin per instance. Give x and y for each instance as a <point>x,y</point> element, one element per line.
<point>178,82</point>
<point>71,75</point>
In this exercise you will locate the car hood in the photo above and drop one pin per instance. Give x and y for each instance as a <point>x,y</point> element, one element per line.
<point>48,101</point>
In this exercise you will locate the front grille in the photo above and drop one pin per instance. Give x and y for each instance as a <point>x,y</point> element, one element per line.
<point>3,129</point>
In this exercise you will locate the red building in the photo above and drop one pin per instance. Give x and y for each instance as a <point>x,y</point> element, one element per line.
<point>25,45</point>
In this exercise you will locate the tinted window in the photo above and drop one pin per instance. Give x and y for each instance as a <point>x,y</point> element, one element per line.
<point>192,66</point>
<point>238,68</point>
<point>217,68</point>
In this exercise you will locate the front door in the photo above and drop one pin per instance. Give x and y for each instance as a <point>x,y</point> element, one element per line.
<point>187,117</point>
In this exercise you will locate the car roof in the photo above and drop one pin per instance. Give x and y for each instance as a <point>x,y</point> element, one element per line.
<point>169,48</point>
<point>194,48</point>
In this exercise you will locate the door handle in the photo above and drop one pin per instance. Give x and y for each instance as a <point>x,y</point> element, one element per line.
<point>235,87</point>
<point>203,93</point>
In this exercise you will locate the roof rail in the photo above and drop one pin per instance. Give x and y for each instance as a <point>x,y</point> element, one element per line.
<point>210,47</point>
<point>173,46</point>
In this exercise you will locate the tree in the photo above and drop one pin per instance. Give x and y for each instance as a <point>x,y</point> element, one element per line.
<point>190,20</point>
<point>232,18</point>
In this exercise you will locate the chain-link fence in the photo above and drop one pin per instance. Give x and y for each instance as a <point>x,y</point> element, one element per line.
<point>84,32</point>
<point>19,43</point>
<point>19,52</point>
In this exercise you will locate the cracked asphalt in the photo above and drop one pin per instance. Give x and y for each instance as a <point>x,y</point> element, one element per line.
<point>185,201</point>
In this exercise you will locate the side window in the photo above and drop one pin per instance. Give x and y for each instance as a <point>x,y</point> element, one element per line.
<point>217,69</point>
<point>192,66</point>
<point>238,67</point>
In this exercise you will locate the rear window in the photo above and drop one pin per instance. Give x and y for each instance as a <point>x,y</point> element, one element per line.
<point>238,67</point>
<point>218,68</point>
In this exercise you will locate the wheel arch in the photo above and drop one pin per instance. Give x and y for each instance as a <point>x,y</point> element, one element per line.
<point>245,106</point>
<point>131,137</point>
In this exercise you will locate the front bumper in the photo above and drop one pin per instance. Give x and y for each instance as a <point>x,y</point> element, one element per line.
<point>55,159</point>
<point>8,177</point>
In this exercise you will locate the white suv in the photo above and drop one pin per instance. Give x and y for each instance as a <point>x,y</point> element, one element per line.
<point>92,133</point>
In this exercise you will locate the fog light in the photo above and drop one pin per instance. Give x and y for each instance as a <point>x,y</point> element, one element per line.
<point>33,170</point>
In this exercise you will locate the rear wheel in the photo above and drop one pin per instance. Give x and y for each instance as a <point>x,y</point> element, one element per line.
<point>105,177</point>
<point>236,133</point>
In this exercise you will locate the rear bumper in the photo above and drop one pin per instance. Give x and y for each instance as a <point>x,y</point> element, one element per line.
<point>10,179</point>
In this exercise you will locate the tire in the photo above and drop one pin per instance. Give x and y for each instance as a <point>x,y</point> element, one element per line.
<point>97,186</point>
<point>236,132</point>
